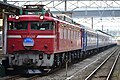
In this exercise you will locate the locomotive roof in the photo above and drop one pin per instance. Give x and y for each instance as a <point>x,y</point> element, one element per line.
<point>67,23</point>
<point>31,18</point>
<point>34,9</point>
<point>37,18</point>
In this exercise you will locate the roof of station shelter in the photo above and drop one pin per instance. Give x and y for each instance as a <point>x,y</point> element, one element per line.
<point>9,7</point>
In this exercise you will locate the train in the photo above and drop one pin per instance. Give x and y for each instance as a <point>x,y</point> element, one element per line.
<point>38,41</point>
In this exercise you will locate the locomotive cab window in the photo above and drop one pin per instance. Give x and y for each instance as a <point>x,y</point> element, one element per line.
<point>17,25</point>
<point>46,25</point>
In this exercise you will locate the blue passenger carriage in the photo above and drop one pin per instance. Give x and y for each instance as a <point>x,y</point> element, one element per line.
<point>89,41</point>
<point>95,41</point>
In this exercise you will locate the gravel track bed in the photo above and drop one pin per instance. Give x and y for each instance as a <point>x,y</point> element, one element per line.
<point>116,72</point>
<point>103,71</point>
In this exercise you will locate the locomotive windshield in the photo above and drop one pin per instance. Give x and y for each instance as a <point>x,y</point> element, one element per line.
<point>17,25</point>
<point>46,25</point>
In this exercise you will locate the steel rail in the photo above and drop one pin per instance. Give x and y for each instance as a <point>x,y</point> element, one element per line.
<point>33,77</point>
<point>113,66</point>
<point>95,70</point>
<point>12,77</point>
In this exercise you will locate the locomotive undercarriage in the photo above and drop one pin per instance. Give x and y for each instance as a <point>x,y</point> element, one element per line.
<point>30,62</point>
<point>70,57</point>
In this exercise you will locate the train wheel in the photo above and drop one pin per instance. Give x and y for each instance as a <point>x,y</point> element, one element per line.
<point>82,55</point>
<point>60,56</point>
<point>72,57</point>
<point>78,55</point>
<point>55,61</point>
<point>59,60</point>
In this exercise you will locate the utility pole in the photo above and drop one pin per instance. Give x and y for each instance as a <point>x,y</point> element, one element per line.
<point>4,34</point>
<point>92,22</point>
<point>65,5</point>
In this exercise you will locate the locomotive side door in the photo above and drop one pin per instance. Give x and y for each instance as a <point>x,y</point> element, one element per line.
<point>57,35</point>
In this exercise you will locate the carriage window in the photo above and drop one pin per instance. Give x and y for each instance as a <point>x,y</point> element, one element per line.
<point>17,25</point>
<point>46,25</point>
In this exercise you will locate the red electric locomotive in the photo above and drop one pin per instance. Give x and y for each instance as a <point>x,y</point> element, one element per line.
<point>38,41</point>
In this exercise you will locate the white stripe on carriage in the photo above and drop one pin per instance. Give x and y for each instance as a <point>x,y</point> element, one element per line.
<point>46,36</point>
<point>14,36</point>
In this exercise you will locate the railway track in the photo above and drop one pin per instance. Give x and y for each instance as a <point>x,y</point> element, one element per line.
<point>33,77</point>
<point>18,77</point>
<point>11,77</point>
<point>105,69</point>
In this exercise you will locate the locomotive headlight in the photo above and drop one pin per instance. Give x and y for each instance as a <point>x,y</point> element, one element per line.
<point>28,43</point>
<point>17,17</point>
<point>41,17</point>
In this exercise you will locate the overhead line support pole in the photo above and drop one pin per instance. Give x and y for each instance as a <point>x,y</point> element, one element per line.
<point>4,30</point>
<point>65,5</point>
